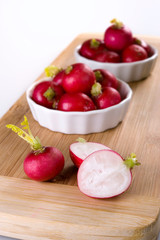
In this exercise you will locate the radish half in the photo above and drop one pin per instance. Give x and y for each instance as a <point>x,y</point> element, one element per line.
<point>104,174</point>
<point>81,149</point>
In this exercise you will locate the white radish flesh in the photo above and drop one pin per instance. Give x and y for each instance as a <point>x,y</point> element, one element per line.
<point>80,150</point>
<point>103,174</point>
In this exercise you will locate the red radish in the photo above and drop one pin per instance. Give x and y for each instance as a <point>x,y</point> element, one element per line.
<point>52,71</point>
<point>143,44</point>
<point>46,94</point>
<point>57,92</point>
<point>78,78</point>
<point>117,36</point>
<point>81,149</point>
<point>106,78</point>
<point>38,94</point>
<point>42,163</point>
<point>90,47</point>
<point>57,80</point>
<point>76,102</point>
<point>134,53</point>
<point>107,56</point>
<point>56,74</point>
<point>104,174</point>
<point>106,97</point>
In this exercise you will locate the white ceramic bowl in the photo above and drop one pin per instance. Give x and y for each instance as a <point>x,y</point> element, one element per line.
<point>81,122</point>
<point>128,72</point>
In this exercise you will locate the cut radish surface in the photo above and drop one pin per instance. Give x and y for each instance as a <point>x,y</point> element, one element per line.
<point>105,174</point>
<point>81,149</point>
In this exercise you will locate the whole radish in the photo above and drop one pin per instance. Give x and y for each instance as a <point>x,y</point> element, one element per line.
<point>107,56</point>
<point>52,71</point>
<point>105,174</point>
<point>143,44</point>
<point>134,53</point>
<point>106,78</point>
<point>58,79</point>
<point>81,149</point>
<point>76,102</point>
<point>117,36</point>
<point>78,77</point>
<point>56,74</point>
<point>46,94</point>
<point>42,163</point>
<point>38,94</point>
<point>106,97</point>
<point>91,47</point>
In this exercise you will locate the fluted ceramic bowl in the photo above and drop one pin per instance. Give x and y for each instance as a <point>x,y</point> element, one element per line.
<point>128,72</point>
<point>81,122</point>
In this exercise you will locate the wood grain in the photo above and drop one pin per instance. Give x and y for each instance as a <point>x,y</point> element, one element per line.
<point>39,211</point>
<point>58,205</point>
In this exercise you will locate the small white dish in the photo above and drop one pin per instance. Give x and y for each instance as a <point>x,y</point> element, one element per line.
<point>81,122</point>
<point>128,72</point>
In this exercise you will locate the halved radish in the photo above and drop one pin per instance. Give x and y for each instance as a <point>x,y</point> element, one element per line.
<point>82,149</point>
<point>104,174</point>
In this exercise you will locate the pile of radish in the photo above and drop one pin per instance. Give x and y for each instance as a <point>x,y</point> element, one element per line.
<point>77,88</point>
<point>118,45</point>
<point>102,172</point>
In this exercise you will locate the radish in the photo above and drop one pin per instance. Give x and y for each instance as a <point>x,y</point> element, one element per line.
<point>81,149</point>
<point>57,80</point>
<point>107,56</point>
<point>106,97</point>
<point>56,74</point>
<point>143,44</point>
<point>52,71</point>
<point>38,94</point>
<point>134,53</point>
<point>78,77</point>
<point>76,102</point>
<point>91,47</point>
<point>42,163</point>
<point>106,78</point>
<point>117,36</point>
<point>46,94</point>
<point>104,174</point>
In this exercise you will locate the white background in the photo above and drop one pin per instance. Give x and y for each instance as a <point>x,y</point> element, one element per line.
<point>34,32</point>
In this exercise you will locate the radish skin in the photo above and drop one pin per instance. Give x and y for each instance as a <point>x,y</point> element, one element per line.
<point>42,163</point>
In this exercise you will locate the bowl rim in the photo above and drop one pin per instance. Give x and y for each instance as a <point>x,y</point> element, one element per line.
<point>77,113</point>
<point>153,57</point>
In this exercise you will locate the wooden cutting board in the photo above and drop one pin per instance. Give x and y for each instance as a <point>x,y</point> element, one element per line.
<point>58,210</point>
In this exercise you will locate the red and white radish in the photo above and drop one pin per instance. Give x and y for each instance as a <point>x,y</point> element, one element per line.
<point>117,36</point>
<point>134,53</point>
<point>76,102</point>
<point>42,163</point>
<point>104,174</point>
<point>78,77</point>
<point>106,97</point>
<point>81,149</point>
